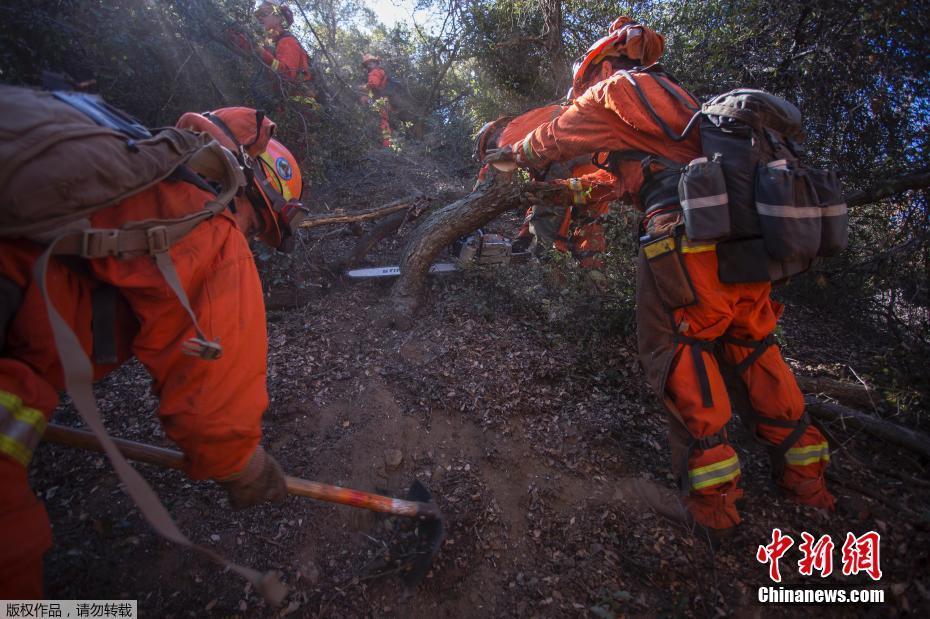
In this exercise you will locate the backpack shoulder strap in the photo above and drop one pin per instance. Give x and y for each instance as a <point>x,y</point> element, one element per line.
<point>669,132</point>
<point>154,237</point>
<point>78,374</point>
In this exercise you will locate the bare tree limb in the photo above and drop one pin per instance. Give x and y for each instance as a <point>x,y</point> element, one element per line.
<point>323,48</point>
<point>375,213</point>
<point>919,179</point>
<point>848,393</point>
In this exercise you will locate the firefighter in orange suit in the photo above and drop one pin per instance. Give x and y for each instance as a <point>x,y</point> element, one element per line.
<point>575,226</point>
<point>211,408</point>
<point>376,86</point>
<point>575,223</point>
<point>676,347</point>
<point>282,52</point>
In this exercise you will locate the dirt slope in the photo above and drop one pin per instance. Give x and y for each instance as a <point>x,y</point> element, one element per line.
<point>521,408</point>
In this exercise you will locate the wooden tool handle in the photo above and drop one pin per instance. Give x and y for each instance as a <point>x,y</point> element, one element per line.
<point>85,439</point>
<point>168,458</point>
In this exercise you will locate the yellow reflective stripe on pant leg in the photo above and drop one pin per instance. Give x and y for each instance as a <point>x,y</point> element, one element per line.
<point>713,474</point>
<point>21,428</point>
<point>802,456</point>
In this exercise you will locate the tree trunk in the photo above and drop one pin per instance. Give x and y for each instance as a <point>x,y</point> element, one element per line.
<point>555,47</point>
<point>501,193</point>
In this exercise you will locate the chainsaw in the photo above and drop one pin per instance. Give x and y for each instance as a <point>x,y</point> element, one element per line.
<point>476,249</point>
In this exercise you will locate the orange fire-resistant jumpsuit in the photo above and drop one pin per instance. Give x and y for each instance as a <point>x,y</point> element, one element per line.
<point>292,63</point>
<point>736,319</point>
<point>579,225</point>
<point>212,409</point>
<point>377,85</point>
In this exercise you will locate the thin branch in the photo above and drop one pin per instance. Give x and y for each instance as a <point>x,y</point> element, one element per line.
<point>324,49</point>
<point>918,179</point>
<point>376,213</point>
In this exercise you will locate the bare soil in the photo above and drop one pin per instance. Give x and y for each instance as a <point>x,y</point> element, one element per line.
<point>522,408</point>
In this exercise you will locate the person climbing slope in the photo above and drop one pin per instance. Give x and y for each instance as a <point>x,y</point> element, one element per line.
<point>685,309</point>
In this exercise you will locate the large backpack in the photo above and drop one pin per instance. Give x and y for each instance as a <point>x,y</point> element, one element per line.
<point>752,192</point>
<point>64,156</point>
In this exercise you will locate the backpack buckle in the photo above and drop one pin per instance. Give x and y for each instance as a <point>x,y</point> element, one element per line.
<point>204,349</point>
<point>157,238</point>
<point>99,243</point>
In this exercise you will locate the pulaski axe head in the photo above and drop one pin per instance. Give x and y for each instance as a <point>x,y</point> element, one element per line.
<point>430,534</point>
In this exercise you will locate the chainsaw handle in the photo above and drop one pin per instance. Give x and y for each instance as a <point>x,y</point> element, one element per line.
<point>168,458</point>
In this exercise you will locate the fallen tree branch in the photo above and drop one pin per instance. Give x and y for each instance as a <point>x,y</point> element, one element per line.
<point>847,393</point>
<point>901,436</point>
<point>376,213</point>
<point>365,244</point>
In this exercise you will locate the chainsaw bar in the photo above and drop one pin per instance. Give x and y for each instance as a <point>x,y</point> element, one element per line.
<point>439,267</point>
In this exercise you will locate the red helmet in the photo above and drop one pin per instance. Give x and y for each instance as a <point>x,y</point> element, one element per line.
<point>366,58</point>
<point>276,6</point>
<point>624,38</point>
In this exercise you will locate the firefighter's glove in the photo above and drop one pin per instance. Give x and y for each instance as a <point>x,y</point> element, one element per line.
<point>504,154</point>
<point>261,480</point>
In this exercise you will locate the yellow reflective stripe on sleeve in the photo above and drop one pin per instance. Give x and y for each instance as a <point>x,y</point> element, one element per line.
<point>15,450</point>
<point>275,64</point>
<point>21,428</point>
<point>714,474</point>
<point>802,456</point>
<point>528,153</point>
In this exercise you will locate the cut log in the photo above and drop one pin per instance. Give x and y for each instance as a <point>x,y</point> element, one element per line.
<point>499,194</point>
<point>918,442</point>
